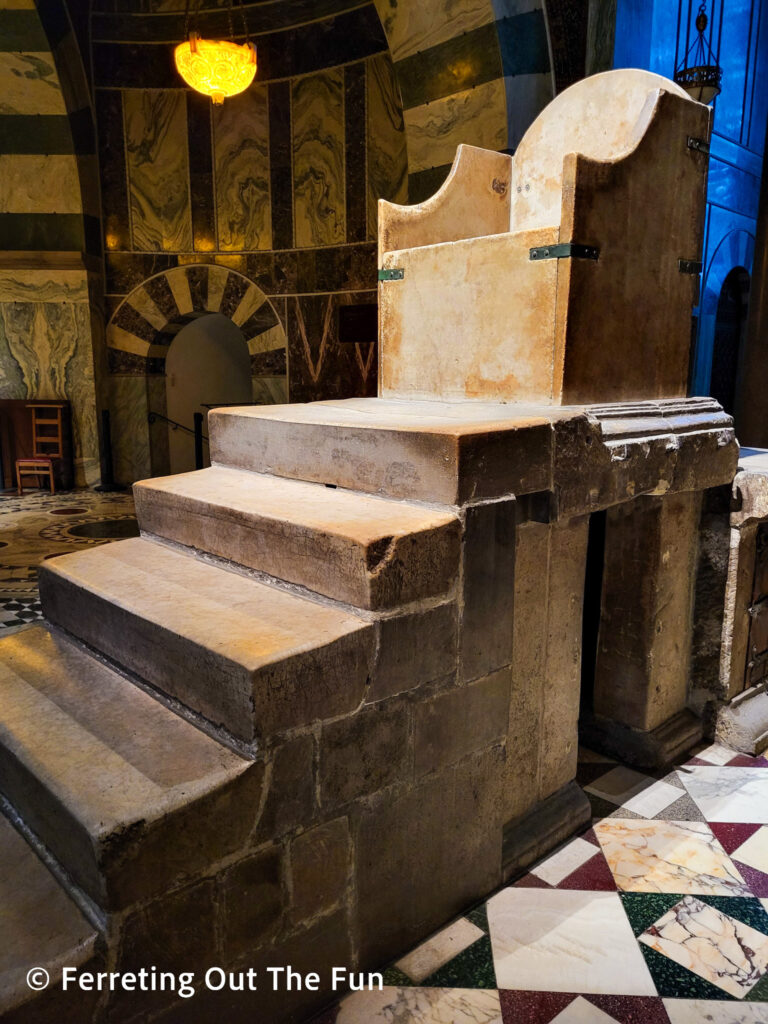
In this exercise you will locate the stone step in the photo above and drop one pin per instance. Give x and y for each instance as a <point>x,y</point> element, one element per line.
<point>126,795</point>
<point>368,551</point>
<point>428,451</point>
<point>250,657</point>
<point>41,928</point>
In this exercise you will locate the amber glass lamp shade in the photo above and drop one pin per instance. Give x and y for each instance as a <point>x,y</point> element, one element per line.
<point>214,67</point>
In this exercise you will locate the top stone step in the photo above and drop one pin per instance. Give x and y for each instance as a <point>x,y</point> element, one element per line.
<point>429,451</point>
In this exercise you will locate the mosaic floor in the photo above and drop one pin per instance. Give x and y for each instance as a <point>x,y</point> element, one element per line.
<point>656,915</point>
<point>37,526</point>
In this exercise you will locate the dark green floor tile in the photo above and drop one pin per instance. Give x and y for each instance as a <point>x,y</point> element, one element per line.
<point>759,993</point>
<point>676,982</point>
<point>644,908</point>
<point>473,968</point>
<point>394,976</point>
<point>479,917</point>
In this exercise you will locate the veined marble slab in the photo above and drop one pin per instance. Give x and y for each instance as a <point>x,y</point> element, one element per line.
<point>319,199</point>
<point>46,352</point>
<point>387,154</point>
<point>44,285</point>
<point>241,155</point>
<point>729,794</point>
<point>476,116</point>
<point>35,183</point>
<point>29,84</point>
<point>713,1011</point>
<point>667,856</point>
<point>429,1005</point>
<point>158,169</point>
<point>560,940</point>
<point>716,947</point>
<point>412,27</point>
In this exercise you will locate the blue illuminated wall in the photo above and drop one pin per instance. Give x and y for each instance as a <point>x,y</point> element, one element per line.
<point>646,37</point>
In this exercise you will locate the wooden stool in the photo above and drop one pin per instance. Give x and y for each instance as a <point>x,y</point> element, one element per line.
<point>38,467</point>
<point>47,445</point>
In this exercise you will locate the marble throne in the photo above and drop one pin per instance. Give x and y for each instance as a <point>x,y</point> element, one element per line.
<point>334,690</point>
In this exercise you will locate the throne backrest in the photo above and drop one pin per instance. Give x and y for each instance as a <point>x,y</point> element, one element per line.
<point>566,274</point>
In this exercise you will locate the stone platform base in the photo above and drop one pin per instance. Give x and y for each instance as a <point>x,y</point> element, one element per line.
<point>743,724</point>
<point>655,749</point>
<point>527,838</point>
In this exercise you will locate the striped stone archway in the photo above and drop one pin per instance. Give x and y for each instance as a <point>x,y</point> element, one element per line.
<point>148,319</point>
<point>139,333</point>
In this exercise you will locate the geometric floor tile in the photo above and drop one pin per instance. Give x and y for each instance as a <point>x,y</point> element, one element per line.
<point>668,856</point>
<point>715,754</point>
<point>582,1012</point>
<point>754,851</point>
<point>438,950</point>
<point>729,794</point>
<point>563,863</point>
<point>565,1007</point>
<point>712,945</point>
<point>756,880</point>
<point>702,1011</point>
<point>425,1005</point>
<point>732,835</point>
<point>634,791</point>
<point>554,940</point>
<point>472,968</point>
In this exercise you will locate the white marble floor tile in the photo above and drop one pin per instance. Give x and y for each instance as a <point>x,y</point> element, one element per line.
<point>563,863</point>
<point>716,947</point>
<point>653,800</point>
<point>425,1005</point>
<point>441,948</point>
<point>554,940</point>
<point>755,851</point>
<point>639,793</point>
<point>715,1011</point>
<point>729,794</point>
<point>717,754</point>
<point>668,856</point>
<point>765,904</point>
<point>581,1011</point>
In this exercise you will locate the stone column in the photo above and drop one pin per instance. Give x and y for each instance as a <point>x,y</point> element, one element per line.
<point>543,804</point>
<point>644,648</point>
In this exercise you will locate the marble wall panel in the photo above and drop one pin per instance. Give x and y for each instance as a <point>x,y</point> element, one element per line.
<point>411,27</point>
<point>387,153</point>
<point>46,352</point>
<point>320,366</point>
<point>43,285</point>
<point>158,169</point>
<point>270,390</point>
<point>39,184</point>
<point>29,84</point>
<point>130,428</point>
<point>318,159</point>
<point>241,152</point>
<point>527,95</point>
<point>476,116</point>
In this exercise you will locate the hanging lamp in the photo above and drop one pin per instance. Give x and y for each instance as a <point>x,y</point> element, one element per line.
<point>218,68</point>
<point>699,73</point>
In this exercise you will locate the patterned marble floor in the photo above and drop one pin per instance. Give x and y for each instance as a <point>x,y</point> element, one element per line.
<point>39,525</point>
<point>658,914</point>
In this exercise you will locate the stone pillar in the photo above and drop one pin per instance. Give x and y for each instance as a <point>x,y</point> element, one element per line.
<point>543,804</point>
<point>644,649</point>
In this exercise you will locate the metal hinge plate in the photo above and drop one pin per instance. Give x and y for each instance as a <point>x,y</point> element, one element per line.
<point>391,274</point>
<point>564,251</point>
<point>700,145</point>
<point>689,266</point>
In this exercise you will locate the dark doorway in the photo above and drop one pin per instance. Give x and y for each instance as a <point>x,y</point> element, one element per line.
<point>590,623</point>
<point>730,326</point>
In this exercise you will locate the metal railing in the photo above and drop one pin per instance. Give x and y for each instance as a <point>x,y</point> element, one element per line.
<point>196,431</point>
